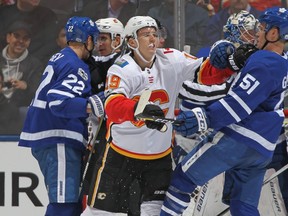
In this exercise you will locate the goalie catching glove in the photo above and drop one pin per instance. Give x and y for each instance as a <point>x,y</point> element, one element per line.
<point>194,121</point>
<point>95,106</point>
<point>152,110</point>
<point>223,54</point>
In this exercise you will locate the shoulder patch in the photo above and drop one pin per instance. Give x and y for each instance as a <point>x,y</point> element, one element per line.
<point>121,62</point>
<point>83,74</point>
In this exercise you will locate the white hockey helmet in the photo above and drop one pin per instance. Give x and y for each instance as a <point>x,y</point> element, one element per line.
<point>137,22</point>
<point>113,27</point>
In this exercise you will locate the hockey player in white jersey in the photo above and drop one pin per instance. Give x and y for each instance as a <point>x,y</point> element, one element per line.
<point>248,126</point>
<point>55,127</point>
<point>139,149</point>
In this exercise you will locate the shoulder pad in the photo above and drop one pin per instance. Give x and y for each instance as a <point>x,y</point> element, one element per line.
<point>121,62</point>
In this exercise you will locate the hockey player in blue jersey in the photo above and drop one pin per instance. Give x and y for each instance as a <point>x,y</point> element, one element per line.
<point>55,127</point>
<point>248,121</point>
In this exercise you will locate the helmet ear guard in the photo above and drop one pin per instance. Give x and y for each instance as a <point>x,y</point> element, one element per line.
<point>78,29</point>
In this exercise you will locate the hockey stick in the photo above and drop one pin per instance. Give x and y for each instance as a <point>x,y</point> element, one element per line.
<point>143,101</point>
<point>91,143</point>
<point>269,179</point>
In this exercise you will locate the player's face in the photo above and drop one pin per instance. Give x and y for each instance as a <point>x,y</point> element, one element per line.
<point>148,42</point>
<point>248,36</point>
<point>103,47</point>
<point>18,42</point>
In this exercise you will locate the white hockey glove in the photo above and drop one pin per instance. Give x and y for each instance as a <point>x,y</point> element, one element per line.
<point>194,121</point>
<point>95,106</point>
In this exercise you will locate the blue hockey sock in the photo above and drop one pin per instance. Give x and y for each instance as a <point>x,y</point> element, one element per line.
<point>178,195</point>
<point>64,209</point>
<point>238,208</point>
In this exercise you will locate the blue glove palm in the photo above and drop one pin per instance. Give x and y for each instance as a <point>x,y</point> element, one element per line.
<point>220,52</point>
<point>194,121</point>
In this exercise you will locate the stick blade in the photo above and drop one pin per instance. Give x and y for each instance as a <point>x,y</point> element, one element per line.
<point>143,100</point>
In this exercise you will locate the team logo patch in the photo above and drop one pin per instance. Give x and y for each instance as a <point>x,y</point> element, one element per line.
<point>122,63</point>
<point>83,74</point>
<point>101,196</point>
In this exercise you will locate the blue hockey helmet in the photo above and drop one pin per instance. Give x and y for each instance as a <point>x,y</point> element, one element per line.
<point>276,17</point>
<point>79,28</point>
<point>240,28</point>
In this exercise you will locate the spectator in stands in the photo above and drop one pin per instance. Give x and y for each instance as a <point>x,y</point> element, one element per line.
<point>196,19</point>
<point>21,71</point>
<point>6,2</point>
<point>260,5</point>
<point>43,23</point>
<point>120,9</point>
<point>61,35</point>
<point>215,25</point>
<point>9,118</point>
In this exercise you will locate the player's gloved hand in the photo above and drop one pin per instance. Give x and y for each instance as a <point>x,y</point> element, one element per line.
<point>239,57</point>
<point>153,110</point>
<point>219,53</point>
<point>95,106</point>
<point>101,96</point>
<point>194,121</point>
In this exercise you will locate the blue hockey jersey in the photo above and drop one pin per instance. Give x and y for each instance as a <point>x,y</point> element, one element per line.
<point>57,113</point>
<point>252,110</point>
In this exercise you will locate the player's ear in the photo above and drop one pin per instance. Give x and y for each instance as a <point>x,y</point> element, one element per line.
<point>132,42</point>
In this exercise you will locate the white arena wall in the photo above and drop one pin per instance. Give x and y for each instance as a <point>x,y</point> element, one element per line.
<point>22,190</point>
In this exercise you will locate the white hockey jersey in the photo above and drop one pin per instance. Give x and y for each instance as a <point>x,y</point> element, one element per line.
<point>169,70</point>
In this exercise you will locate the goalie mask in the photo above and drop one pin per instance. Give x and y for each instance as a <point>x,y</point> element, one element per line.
<point>240,28</point>
<point>79,28</point>
<point>113,27</point>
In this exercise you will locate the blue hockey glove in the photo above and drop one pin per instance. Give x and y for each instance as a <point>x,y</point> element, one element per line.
<point>95,105</point>
<point>101,96</point>
<point>220,52</point>
<point>194,121</point>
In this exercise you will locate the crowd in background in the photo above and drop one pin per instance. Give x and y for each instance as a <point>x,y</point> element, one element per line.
<point>32,31</point>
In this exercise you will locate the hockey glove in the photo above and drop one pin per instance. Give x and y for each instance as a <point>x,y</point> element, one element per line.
<point>96,106</point>
<point>239,57</point>
<point>194,121</point>
<point>101,96</point>
<point>152,110</point>
<point>219,53</point>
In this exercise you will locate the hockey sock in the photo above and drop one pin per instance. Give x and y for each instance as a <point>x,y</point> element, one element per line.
<point>64,209</point>
<point>178,195</point>
<point>238,208</point>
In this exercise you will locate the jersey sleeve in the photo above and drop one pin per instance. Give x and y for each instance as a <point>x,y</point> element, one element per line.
<point>119,106</point>
<point>251,91</point>
<point>67,96</point>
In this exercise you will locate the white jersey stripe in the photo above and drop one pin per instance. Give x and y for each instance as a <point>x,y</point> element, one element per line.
<point>240,101</point>
<point>59,92</point>
<point>254,136</point>
<point>61,173</point>
<point>52,133</point>
<point>230,110</point>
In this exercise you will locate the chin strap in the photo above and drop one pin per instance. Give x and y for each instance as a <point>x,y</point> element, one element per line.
<point>139,54</point>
